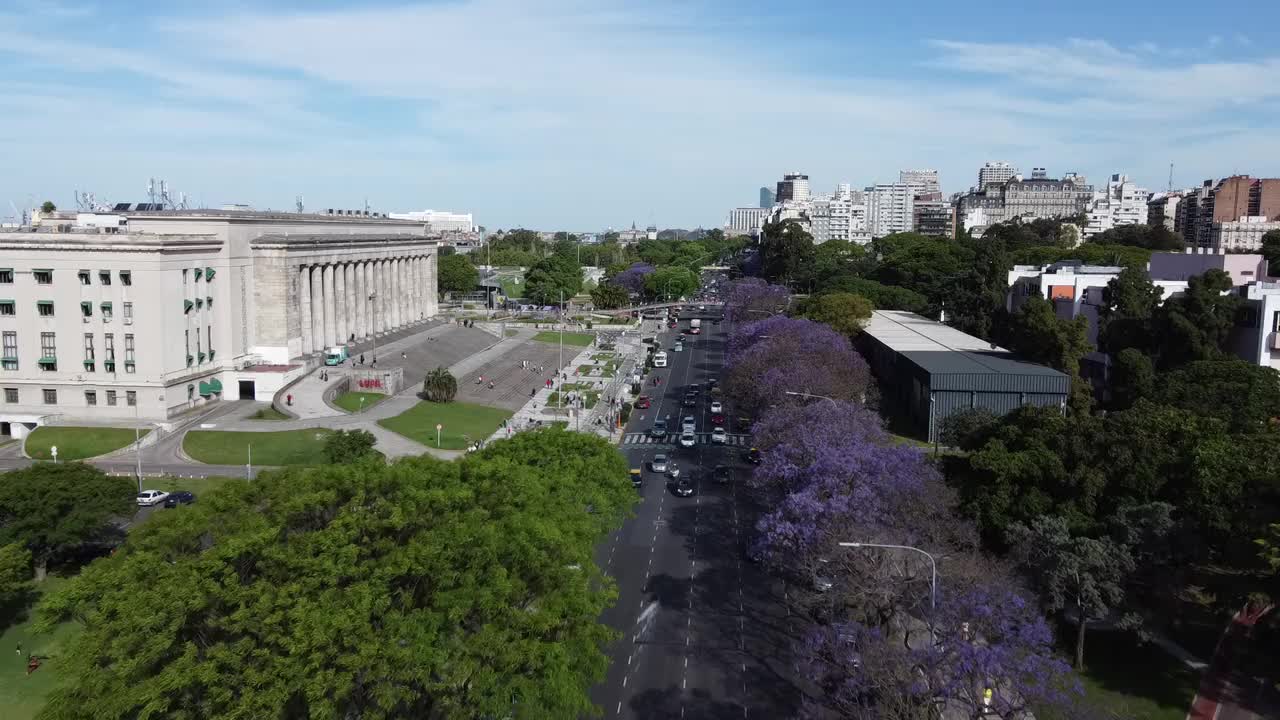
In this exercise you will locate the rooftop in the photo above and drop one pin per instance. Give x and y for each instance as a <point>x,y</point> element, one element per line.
<point>943,350</point>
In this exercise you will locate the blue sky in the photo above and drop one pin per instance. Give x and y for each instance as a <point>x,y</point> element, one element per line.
<point>583,114</point>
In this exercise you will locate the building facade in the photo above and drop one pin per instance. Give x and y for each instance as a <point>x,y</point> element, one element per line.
<point>1162,210</point>
<point>934,217</point>
<point>767,198</point>
<point>1046,198</point>
<point>439,221</point>
<point>890,209</point>
<point>1121,203</point>
<point>1243,235</point>
<point>180,308</point>
<point>924,181</point>
<point>995,174</point>
<point>745,221</point>
<point>793,187</point>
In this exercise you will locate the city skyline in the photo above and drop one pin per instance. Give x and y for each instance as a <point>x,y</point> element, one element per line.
<point>593,116</point>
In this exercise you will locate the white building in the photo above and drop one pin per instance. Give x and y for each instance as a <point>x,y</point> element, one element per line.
<point>745,221</point>
<point>995,173</point>
<point>925,182</point>
<point>1162,209</point>
<point>176,309</point>
<point>793,187</point>
<point>840,218</point>
<point>439,221</point>
<point>1258,337</point>
<point>890,208</point>
<point>1241,235</point>
<point>1121,203</point>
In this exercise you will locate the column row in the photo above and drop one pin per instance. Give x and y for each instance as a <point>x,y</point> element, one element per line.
<point>344,302</point>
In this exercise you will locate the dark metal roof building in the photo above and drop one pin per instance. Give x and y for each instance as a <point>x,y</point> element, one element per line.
<point>929,371</point>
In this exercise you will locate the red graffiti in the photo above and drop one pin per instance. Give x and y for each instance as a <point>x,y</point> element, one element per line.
<point>374,383</point>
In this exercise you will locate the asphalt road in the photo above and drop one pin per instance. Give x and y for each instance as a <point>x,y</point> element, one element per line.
<point>704,633</point>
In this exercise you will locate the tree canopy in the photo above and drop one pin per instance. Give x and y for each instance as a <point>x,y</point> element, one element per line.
<point>553,279</point>
<point>608,296</point>
<point>1157,238</point>
<point>420,589</point>
<point>786,251</point>
<point>845,313</point>
<point>457,274</point>
<point>349,446</point>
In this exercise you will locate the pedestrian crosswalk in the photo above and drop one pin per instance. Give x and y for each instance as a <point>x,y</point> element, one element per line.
<point>670,441</point>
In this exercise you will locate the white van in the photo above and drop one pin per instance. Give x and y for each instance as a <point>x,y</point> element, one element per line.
<point>660,359</point>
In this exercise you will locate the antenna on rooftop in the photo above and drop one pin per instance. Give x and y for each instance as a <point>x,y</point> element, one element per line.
<point>151,190</point>
<point>1170,177</point>
<point>298,203</point>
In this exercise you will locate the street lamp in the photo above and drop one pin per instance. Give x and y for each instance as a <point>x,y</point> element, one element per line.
<point>373,331</point>
<point>812,395</point>
<point>933,566</point>
<point>137,444</point>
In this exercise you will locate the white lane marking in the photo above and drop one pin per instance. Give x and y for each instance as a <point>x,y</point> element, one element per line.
<point>624,681</point>
<point>619,710</point>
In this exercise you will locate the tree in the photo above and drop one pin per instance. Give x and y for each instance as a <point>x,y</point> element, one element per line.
<point>553,279</point>
<point>786,251</point>
<point>1129,301</point>
<point>883,297</point>
<point>968,428</point>
<point>349,446</point>
<point>751,299</point>
<point>670,282</point>
<point>15,574</point>
<point>440,386</point>
<point>48,207</point>
<point>1081,574</point>
<point>1196,324</point>
<point>423,589</point>
<point>608,296</point>
<point>1038,334</point>
<point>457,274</point>
<point>1271,251</point>
<point>1151,237</point>
<point>1132,377</point>
<point>845,313</point>
<point>1244,395</point>
<point>633,277</point>
<point>52,510</point>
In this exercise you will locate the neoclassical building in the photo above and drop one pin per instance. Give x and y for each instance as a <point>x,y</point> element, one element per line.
<point>149,314</point>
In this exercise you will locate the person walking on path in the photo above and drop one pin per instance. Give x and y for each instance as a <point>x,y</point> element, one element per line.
<point>361,358</point>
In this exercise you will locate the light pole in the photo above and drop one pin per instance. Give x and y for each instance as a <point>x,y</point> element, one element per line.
<point>812,395</point>
<point>137,445</point>
<point>933,566</point>
<point>248,468</point>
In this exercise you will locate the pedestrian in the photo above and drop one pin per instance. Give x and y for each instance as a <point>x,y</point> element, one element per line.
<point>375,361</point>
<point>404,355</point>
<point>288,399</point>
<point>19,651</point>
<point>533,392</point>
<point>490,384</point>
<point>361,358</point>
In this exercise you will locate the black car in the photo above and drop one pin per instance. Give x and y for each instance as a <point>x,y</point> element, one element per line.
<point>711,384</point>
<point>683,487</point>
<point>179,497</point>
<point>753,456</point>
<point>659,429</point>
<point>722,474</point>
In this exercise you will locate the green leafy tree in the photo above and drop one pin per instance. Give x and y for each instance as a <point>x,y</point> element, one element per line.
<point>54,509</point>
<point>656,252</point>
<point>47,207</point>
<point>423,589</point>
<point>440,386</point>
<point>1157,238</point>
<point>608,296</point>
<point>671,281</point>
<point>1241,394</point>
<point>15,574</point>
<point>883,297</point>
<point>1081,575</point>
<point>349,446</point>
<point>552,279</point>
<point>845,313</point>
<point>968,429</point>
<point>1129,302</point>
<point>1089,253</point>
<point>832,259</point>
<point>457,274</point>
<point>1038,334</point>
<point>1196,324</point>
<point>1132,377</point>
<point>1271,251</point>
<point>786,251</point>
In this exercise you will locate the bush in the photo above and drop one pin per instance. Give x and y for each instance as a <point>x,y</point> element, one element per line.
<point>348,446</point>
<point>626,412</point>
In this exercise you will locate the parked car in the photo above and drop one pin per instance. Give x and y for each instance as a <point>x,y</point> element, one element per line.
<point>659,463</point>
<point>683,487</point>
<point>179,497</point>
<point>659,429</point>
<point>688,439</point>
<point>643,402</point>
<point>151,497</point>
<point>716,407</point>
<point>719,436</point>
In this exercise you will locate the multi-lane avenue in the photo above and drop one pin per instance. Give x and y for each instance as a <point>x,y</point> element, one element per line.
<point>703,633</point>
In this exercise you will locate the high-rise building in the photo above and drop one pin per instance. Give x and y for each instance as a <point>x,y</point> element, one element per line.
<point>995,174</point>
<point>934,217</point>
<point>793,187</point>
<point>924,181</point>
<point>1046,197</point>
<point>767,197</point>
<point>890,209</point>
<point>841,217</point>
<point>1162,210</point>
<point>745,221</point>
<point>1122,203</point>
<point>1230,200</point>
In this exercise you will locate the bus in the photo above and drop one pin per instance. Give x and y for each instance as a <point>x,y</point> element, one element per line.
<point>660,358</point>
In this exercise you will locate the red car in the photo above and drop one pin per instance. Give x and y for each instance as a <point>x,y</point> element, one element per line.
<point>717,419</point>
<point>695,331</point>
<point>642,402</point>
<point>671,324</point>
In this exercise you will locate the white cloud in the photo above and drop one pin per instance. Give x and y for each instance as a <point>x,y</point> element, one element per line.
<point>1215,41</point>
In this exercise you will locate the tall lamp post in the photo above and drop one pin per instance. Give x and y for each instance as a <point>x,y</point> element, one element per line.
<point>812,395</point>
<point>933,566</point>
<point>137,444</point>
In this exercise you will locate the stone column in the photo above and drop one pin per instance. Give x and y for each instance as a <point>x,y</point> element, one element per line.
<point>304,306</point>
<point>349,270</point>
<point>339,304</point>
<point>369,289</point>
<point>395,293</point>
<point>357,290</point>
<point>433,287</point>
<point>317,306</point>
<point>330,307</point>
<point>419,297</point>
<point>384,295</point>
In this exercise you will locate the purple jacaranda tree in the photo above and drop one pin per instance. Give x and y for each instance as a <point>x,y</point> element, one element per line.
<point>983,638</point>
<point>752,299</point>
<point>770,357</point>
<point>633,277</point>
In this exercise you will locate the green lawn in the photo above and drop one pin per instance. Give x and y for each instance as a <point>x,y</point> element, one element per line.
<point>570,338</point>
<point>462,422</point>
<point>350,401</point>
<point>591,398</point>
<point>1129,680</point>
<point>607,370</point>
<point>290,447</point>
<point>269,413</point>
<point>22,695</point>
<point>77,443</point>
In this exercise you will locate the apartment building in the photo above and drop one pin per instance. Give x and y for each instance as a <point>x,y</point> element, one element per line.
<point>1121,203</point>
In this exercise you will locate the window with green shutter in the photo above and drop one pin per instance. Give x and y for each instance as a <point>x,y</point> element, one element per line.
<point>86,308</point>
<point>44,308</point>
<point>8,307</point>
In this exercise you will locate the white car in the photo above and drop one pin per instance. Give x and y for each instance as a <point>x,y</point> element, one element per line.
<point>688,439</point>
<point>719,436</point>
<point>659,463</point>
<point>688,424</point>
<point>678,348</point>
<point>716,407</point>
<point>151,497</point>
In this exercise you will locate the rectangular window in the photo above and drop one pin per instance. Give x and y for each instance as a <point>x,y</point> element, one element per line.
<point>199,349</point>
<point>1275,323</point>
<point>6,276</point>
<point>111,398</point>
<point>209,335</point>
<point>8,307</point>
<point>106,312</point>
<point>45,308</point>
<point>184,277</point>
<point>104,277</point>
<point>88,348</point>
<point>11,395</point>
<point>130,397</point>
<point>128,313</point>
<point>90,397</point>
<point>128,353</point>
<point>50,396</point>
<point>109,347</point>
<point>48,351</point>
<point>9,355</point>
<point>86,309</point>
<point>126,277</point>
<point>84,277</point>
<point>43,277</point>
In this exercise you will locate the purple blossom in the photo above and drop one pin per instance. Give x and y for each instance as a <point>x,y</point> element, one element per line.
<point>769,357</point>
<point>633,277</point>
<point>752,298</point>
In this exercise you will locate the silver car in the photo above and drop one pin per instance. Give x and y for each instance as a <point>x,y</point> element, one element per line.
<point>659,463</point>
<point>688,439</point>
